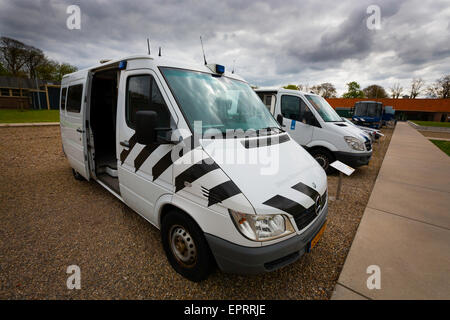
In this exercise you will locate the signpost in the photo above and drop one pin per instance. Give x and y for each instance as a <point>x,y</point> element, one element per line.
<point>342,168</point>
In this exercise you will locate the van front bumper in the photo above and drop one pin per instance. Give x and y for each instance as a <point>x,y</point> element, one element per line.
<point>353,159</point>
<point>233,258</point>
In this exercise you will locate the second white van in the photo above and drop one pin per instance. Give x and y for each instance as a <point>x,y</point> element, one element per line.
<point>314,124</point>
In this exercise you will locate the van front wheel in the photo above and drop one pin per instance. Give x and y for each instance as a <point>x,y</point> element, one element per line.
<point>324,158</point>
<point>185,246</point>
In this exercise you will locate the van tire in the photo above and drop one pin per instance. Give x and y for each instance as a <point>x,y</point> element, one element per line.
<point>324,158</point>
<point>179,229</point>
<point>77,176</point>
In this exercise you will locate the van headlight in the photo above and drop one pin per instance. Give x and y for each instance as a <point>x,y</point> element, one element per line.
<point>262,227</point>
<point>354,143</point>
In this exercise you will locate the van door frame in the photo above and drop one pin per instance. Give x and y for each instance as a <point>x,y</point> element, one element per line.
<point>299,125</point>
<point>76,122</point>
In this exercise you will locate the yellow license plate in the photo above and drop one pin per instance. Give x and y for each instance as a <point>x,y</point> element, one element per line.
<point>317,236</point>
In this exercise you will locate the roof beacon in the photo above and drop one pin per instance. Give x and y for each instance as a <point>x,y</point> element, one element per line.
<point>217,68</point>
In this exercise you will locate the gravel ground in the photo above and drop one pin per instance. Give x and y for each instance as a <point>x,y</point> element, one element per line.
<point>51,221</point>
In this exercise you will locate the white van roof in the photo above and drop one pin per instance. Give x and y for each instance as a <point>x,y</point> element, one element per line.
<point>156,60</point>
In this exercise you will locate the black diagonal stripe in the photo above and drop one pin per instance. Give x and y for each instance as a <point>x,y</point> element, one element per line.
<point>222,191</point>
<point>162,165</point>
<point>167,160</point>
<point>287,205</point>
<point>125,152</point>
<point>194,172</point>
<point>310,192</point>
<point>143,155</point>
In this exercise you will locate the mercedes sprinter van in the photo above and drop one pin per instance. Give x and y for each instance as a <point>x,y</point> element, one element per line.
<point>193,150</point>
<point>314,124</point>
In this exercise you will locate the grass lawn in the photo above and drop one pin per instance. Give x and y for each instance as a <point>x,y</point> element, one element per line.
<point>432,124</point>
<point>17,116</point>
<point>443,145</point>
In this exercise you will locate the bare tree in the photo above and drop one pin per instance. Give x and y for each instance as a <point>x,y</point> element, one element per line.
<point>303,87</point>
<point>326,90</point>
<point>396,90</point>
<point>416,87</point>
<point>441,88</point>
<point>13,54</point>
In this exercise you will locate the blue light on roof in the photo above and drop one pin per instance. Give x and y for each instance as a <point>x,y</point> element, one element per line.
<point>220,68</point>
<point>122,64</point>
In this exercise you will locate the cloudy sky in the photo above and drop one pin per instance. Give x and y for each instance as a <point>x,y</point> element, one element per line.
<point>273,43</point>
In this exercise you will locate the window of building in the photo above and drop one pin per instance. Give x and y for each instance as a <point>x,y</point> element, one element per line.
<point>4,92</point>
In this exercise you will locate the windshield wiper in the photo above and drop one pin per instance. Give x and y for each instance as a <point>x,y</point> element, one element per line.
<point>270,129</point>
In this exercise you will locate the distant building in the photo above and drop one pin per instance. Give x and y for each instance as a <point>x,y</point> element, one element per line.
<point>405,109</point>
<point>23,93</point>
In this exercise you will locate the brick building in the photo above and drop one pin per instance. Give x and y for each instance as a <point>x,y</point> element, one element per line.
<point>405,109</point>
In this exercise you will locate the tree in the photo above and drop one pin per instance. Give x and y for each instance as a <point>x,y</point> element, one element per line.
<point>353,91</point>
<point>33,59</point>
<point>13,55</point>
<point>65,68</point>
<point>304,87</point>
<point>54,71</point>
<point>291,87</point>
<point>396,90</point>
<point>441,88</point>
<point>375,91</point>
<point>326,90</point>
<point>3,71</point>
<point>20,60</point>
<point>416,87</point>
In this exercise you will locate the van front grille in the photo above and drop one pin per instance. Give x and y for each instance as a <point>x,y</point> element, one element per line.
<point>368,145</point>
<point>306,217</point>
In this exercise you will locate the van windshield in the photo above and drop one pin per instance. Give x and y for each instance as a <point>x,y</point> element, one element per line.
<point>323,108</point>
<point>373,110</point>
<point>218,102</point>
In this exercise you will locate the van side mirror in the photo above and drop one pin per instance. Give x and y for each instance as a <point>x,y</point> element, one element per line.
<point>310,119</point>
<point>146,131</point>
<point>280,119</point>
<point>145,127</point>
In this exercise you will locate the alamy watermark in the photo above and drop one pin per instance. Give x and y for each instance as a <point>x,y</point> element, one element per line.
<point>74,19</point>
<point>373,21</point>
<point>374,280</point>
<point>74,280</point>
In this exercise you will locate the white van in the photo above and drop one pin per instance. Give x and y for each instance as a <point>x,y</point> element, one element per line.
<point>314,124</point>
<point>132,125</point>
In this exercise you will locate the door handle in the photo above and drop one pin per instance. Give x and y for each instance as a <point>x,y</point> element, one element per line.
<point>80,130</point>
<point>125,143</point>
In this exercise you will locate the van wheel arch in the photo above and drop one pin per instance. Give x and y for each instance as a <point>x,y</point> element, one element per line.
<point>174,218</point>
<point>324,154</point>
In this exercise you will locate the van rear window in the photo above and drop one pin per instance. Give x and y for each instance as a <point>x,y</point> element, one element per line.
<point>74,98</point>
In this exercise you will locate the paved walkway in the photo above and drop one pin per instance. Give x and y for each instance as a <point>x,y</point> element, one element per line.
<point>405,229</point>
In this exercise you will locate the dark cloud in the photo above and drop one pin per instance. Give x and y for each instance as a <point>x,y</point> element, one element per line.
<point>272,43</point>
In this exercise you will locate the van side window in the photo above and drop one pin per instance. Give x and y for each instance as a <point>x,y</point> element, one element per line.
<point>63,98</point>
<point>143,94</point>
<point>294,108</point>
<point>74,96</point>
